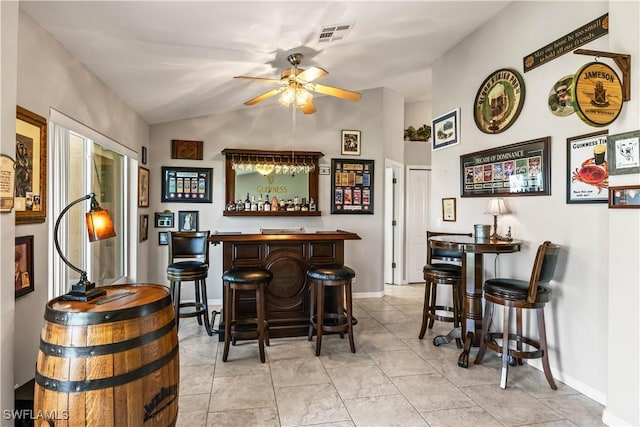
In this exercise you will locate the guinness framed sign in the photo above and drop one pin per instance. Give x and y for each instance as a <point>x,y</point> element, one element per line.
<point>499,101</point>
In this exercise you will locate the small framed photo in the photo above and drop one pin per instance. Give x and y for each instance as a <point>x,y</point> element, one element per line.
<point>587,168</point>
<point>143,187</point>
<point>23,272</point>
<point>189,150</point>
<point>449,209</point>
<point>351,142</point>
<point>188,220</point>
<point>623,153</point>
<point>445,130</point>
<point>164,219</point>
<point>163,238</point>
<point>627,196</point>
<point>144,227</point>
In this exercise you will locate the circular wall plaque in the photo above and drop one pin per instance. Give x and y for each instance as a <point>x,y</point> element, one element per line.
<point>598,94</point>
<point>561,97</point>
<point>499,101</point>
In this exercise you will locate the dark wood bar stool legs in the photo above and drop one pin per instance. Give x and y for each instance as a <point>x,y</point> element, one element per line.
<point>194,246</point>
<point>447,272</point>
<point>520,294</point>
<point>336,277</point>
<point>237,280</point>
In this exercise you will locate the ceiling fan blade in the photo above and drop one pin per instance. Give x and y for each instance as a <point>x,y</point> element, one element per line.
<point>264,96</point>
<point>310,74</point>
<point>308,108</point>
<point>334,91</point>
<point>262,79</point>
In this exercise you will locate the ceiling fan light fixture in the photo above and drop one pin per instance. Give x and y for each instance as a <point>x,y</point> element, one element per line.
<point>287,97</point>
<point>303,97</point>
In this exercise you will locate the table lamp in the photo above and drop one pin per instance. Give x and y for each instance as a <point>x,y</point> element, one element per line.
<point>99,227</point>
<point>496,207</point>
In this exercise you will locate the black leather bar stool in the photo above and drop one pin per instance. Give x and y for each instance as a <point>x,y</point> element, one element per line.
<point>238,279</point>
<point>331,276</point>
<point>448,272</point>
<point>520,294</point>
<point>193,247</point>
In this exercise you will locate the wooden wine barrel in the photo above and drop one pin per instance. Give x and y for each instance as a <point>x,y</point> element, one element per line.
<point>112,361</point>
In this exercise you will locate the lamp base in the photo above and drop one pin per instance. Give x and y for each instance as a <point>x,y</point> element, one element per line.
<point>83,293</point>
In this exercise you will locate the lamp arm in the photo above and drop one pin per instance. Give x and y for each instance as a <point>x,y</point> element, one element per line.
<point>83,274</point>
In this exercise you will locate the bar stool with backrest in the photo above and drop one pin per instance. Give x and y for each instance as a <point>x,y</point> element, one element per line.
<point>238,280</point>
<point>520,294</point>
<point>189,262</point>
<point>448,271</point>
<point>322,278</point>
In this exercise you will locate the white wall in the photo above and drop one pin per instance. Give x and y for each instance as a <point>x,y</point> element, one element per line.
<point>577,317</point>
<point>417,114</point>
<point>48,76</point>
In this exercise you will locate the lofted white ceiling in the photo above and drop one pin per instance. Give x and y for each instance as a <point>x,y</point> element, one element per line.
<point>170,60</point>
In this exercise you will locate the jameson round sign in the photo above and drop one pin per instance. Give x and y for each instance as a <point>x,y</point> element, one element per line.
<point>499,101</point>
<point>598,93</point>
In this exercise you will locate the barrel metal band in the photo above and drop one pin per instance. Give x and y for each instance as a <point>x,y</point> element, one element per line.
<point>103,383</point>
<point>93,317</point>
<point>101,350</point>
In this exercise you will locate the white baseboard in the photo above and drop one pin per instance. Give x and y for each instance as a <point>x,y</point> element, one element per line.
<point>583,388</point>
<point>357,295</point>
<point>612,420</point>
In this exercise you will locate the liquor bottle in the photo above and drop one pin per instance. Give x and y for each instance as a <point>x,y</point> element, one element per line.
<point>267,204</point>
<point>312,205</point>
<point>260,203</point>
<point>247,203</point>
<point>283,206</point>
<point>239,205</point>
<point>231,206</point>
<point>304,207</point>
<point>274,203</point>
<point>253,204</point>
<point>290,205</point>
<point>296,204</point>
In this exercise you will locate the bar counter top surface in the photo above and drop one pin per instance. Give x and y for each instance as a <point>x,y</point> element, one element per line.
<point>282,234</point>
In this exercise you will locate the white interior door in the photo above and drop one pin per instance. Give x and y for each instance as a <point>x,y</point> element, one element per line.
<point>418,187</point>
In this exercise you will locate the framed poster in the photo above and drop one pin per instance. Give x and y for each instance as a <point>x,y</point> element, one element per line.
<point>188,185</point>
<point>187,220</point>
<point>445,130</point>
<point>624,153</point>
<point>627,196</point>
<point>449,209</point>
<point>143,187</point>
<point>587,168</point>
<point>352,186</point>
<point>23,271</point>
<point>144,227</point>
<point>190,150</point>
<point>30,167</point>
<point>499,101</point>
<point>521,169</point>
<point>350,143</point>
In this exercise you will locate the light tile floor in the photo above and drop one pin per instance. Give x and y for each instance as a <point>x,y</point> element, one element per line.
<point>394,379</point>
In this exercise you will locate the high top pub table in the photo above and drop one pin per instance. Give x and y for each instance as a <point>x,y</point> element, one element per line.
<point>472,281</point>
<point>287,254</point>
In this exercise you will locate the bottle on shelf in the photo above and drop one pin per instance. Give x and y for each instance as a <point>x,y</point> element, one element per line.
<point>253,204</point>
<point>304,207</point>
<point>274,204</point>
<point>312,205</point>
<point>247,203</point>
<point>239,205</point>
<point>231,206</point>
<point>283,205</point>
<point>260,203</point>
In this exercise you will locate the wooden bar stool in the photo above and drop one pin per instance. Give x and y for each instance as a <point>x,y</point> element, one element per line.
<point>193,248</point>
<point>520,294</point>
<point>447,272</point>
<point>331,276</point>
<point>239,279</point>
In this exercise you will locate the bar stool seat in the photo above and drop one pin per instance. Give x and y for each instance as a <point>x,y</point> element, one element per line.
<point>194,247</point>
<point>238,279</point>
<point>331,276</point>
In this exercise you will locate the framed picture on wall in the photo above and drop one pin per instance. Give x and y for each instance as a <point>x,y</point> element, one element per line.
<point>352,186</point>
<point>587,168</point>
<point>163,238</point>
<point>144,227</point>
<point>23,271</point>
<point>623,153</point>
<point>350,143</point>
<point>188,220</point>
<point>186,185</point>
<point>143,187</point>
<point>445,130</point>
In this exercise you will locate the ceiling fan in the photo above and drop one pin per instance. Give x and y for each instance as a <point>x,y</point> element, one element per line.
<point>296,85</point>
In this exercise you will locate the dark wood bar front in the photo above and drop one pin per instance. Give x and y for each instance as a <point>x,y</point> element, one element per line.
<point>286,255</point>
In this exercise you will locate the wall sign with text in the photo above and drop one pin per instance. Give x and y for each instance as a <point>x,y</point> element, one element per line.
<point>521,169</point>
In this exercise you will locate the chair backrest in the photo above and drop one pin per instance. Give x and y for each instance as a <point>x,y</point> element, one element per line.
<point>440,254</point>
<point>189,244</point>
<point>544,268</point>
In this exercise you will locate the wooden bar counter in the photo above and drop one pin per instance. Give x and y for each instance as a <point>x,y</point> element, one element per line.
<point>286,254</point>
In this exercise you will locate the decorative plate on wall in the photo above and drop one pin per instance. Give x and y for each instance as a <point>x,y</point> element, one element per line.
<point>499,101</point>
<point>561,97</point>
<point>598,94</point>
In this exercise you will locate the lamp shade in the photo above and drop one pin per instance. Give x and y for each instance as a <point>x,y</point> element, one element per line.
<point>99,225</point>
<point>497,207</point>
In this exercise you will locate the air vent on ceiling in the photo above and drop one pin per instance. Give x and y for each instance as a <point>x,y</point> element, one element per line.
<point>331,33</point>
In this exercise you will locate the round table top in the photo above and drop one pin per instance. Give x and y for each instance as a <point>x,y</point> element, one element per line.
<point>471,244</point>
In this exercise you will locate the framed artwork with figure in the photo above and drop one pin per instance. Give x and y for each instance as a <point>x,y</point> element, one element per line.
<point>587,168</point>
<point>23,271</point>
<point>188,220</point>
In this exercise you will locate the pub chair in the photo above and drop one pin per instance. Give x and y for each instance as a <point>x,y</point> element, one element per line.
<point>189,262</point>
<point>520,294</point>
<point>237,280</point>
<point>447,271</point>
<point>322,278</point>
